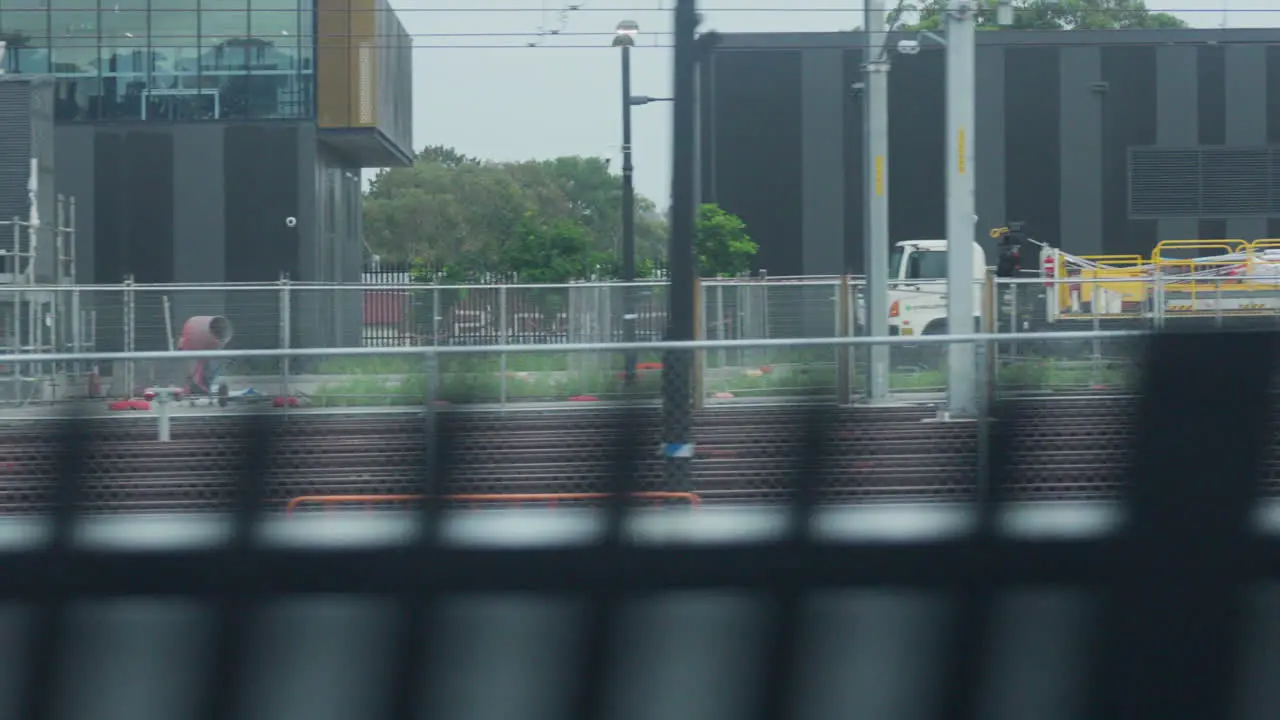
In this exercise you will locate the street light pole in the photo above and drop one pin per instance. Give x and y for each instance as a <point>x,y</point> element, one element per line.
<point>625,39</point>
<point>876,250</point>
<point>678,365</point>
<point>961,283</point>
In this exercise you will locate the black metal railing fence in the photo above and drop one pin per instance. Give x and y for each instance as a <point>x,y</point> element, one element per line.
<point>1170,585</point>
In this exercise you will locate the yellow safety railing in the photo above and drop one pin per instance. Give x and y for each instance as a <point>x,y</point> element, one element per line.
<point>1123,283</point>
<point>1116,261</point>
<point>1115,268</point>
<point>1161,253</point>
<point>1165,263</point>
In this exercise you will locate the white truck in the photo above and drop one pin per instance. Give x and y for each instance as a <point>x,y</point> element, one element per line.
<point>918,287</point>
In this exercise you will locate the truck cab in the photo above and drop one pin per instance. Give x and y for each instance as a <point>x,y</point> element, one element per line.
<point>918,287</point>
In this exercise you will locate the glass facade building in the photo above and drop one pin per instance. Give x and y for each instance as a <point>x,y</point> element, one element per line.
<point>167,60</point>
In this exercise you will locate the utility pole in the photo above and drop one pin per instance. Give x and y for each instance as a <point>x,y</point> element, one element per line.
<point>876,245</point>
<point>677,366</point>
<point>625,39</point>
<point>961,284</point>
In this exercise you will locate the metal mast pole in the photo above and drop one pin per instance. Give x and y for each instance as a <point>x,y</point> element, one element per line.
<point>876,247</point>
<point>628,222</point>
<point>961,283</point>
<point>677,367</point>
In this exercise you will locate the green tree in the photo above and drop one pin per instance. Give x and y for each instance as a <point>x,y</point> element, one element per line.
<point>451,209</point>
<point>1044,15</point>
<point>554,251</point>
<point>438,214</point>
<point>446,156</point>
<point>721,245</point>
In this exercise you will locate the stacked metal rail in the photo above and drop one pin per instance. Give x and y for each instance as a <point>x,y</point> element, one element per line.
<point>1063,449</point>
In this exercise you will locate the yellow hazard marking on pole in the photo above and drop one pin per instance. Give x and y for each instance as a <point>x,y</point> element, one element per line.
<point>879,175</point>
<point>960,150</point>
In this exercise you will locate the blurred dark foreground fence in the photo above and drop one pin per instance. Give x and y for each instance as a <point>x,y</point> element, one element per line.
<point>1171,616</point>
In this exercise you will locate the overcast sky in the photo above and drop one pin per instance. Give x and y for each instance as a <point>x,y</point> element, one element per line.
<point>480,86</point>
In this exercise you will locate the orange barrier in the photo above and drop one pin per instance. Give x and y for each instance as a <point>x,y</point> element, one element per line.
<point>549,498</point>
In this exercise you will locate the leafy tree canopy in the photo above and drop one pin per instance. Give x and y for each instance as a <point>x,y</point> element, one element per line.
<point>555,251</point>
<point>722,246</point>
<point>454,210</point>
<point>1044,15</point>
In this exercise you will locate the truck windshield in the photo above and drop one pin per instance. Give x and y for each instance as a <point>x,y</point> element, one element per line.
<point>895,262</point>
<point>927,265</point>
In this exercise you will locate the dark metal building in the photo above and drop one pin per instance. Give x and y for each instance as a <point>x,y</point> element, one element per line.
<point>218,140</point>
<point>1105,142</point>
<point>190,131</point>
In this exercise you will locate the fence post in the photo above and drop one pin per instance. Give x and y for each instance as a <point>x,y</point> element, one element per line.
<point>844,373</point>
<point>76,331</point>
<point>286,334</point>
<point>435,312</point>
<point>1052,292</point>
<point>129,329</point>
<point>1159,295</point>
<point>722,353</point>
<point>502,340</point>
<point>699,332</point>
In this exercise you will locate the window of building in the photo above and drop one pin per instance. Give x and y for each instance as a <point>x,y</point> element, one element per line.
<point>123,57</point>
<point>224,54</point>
<point>24,27</point>
<point>275,85</point>
<point>160,60</point>
<point>73,41</point>
<point>173,85</point>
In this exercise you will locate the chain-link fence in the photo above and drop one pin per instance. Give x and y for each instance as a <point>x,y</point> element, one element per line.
<point>730,452</point>
<point>1103,304</point>
<point>305,315</point>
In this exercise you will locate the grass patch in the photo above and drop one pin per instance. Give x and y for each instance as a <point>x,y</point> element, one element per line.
<point>480,382</point>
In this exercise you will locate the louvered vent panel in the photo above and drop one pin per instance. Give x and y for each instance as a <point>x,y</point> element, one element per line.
<point>15,147</point>
<point>1204,182</point>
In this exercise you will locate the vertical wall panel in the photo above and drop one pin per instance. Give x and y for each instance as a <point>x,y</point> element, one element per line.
<point>1129,119</point>
<point>1181,102</point>
<point>758,176</point>
<point>75,179</point>
<point>1273,94</point>
<point>822,92</point>
<point>1246,118</point>
<point>1208,229</point>
<point>707,128</point>
<point>854,155</point>
<point>260,191</point>
<point>109,191</point>
<point>1080,149</point>
<point>148,223</point>
<point>199,228</point>
<point>1210,81</point>
<point>199,216</point>
<point>917,147</point>
<point>990,127</point>
<point>1032,172</point>
<point>109,236</point>
<point>148,196</point>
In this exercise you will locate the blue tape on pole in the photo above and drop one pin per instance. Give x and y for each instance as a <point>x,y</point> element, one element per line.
<point>678,450</point>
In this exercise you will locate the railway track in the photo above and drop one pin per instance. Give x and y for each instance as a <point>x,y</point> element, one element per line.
<point>1063,449</point>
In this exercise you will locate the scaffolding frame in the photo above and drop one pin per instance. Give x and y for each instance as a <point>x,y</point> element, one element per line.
<point>40,310</point>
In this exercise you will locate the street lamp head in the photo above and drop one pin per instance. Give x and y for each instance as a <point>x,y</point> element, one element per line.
<point>626,33</point>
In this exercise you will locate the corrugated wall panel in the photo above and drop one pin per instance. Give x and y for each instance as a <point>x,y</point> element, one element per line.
<point>15,148</point>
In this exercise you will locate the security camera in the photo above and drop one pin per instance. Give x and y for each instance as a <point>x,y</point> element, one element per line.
<point>909,47</point>
<point>291,222</point>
